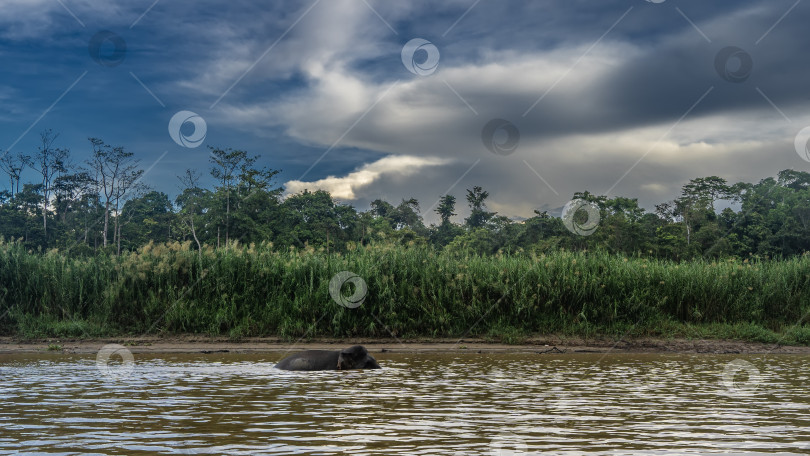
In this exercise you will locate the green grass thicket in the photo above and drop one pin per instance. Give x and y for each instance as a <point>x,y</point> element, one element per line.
<point>258,290</point>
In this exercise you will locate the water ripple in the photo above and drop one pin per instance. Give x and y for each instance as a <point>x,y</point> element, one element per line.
<point>419,404</point>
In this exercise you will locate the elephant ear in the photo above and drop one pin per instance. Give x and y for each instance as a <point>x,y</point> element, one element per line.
<point>350,357</point>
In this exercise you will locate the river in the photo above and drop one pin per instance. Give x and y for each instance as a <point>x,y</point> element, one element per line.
<point>442,404</point>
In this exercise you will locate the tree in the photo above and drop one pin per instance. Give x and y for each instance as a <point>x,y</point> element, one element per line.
<point>695,208</point>
<point>72,196</point>
<point>795,180</point>
<point>145,218</point>
<point>627,208</point>
<point>406,215</point>
<point>447,204</point>
<point>226,162</point>
<point>477,241</point>
<point>126,185</point>
<point>312,217</point>
<point>380,208</point>
<point>68,192</point>
<point>478,214</point>
<point>599,200</point>
<point>26,203</point>
<point>191,202</point>
<point>116,171</point>
<point>446,231</point>
<point>13,166</point>
<point>706,190</point>
<point>50,162</point>
<point>255,207</point>
<point>65,206</point>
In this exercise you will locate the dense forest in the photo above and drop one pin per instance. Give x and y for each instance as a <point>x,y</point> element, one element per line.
<point>99,204</point>
<point>88,251</point>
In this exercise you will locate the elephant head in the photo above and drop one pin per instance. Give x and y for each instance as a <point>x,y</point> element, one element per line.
<point>356,357</point>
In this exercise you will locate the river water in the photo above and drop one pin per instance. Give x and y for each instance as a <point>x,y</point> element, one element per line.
<point>425,404</point>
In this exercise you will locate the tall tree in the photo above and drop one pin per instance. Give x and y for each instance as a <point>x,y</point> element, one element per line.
<point>478,214</point>
<point>50,162</point>
<point>13,166</point>
<point>384,209</point>
<point>406,215</point>
<point>706,190</point>
<point>225,163</point>
<point>313,217</point>
<point>145,218</point>
<point>447,204</point>
<point>127,185</point>
<point>116,171</point>
<point>191,202</point>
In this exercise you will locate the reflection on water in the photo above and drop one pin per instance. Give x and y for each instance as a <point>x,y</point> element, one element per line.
<point>470,404</point>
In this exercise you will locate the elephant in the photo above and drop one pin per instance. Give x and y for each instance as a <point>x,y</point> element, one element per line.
<point>355,357</point>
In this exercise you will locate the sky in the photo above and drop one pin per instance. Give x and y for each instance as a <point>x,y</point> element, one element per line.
<point>532,100</point>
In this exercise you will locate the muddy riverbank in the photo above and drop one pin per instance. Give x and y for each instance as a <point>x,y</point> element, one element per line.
<point>199,344</point>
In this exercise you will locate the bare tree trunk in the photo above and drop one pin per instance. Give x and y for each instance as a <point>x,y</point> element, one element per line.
<point>106,220</point>
<point>688,232</point>
<point>116,222</point>
<point>194,233</point>
<point>116,173</point>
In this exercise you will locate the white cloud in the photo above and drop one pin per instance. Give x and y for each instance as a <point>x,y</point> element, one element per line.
<point>36,19</point>
<point>349,187</point>
<point>579,137</point>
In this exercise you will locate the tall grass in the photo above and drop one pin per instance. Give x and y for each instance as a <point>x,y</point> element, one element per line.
<point>412,291</point>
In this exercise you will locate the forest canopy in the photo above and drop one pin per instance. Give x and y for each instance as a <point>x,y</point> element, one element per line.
<point>100,205</point>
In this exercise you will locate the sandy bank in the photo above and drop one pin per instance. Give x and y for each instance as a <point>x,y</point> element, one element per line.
<point>201,344</point>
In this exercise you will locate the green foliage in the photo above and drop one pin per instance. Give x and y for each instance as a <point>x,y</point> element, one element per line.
<point>256,290</point>
<point>101,208</point>
<point>106,256</point>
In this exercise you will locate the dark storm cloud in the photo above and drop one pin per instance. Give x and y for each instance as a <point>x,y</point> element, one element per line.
<point>646,65</point>
<point>671,66</point>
